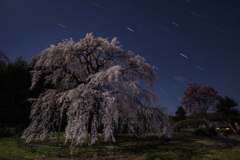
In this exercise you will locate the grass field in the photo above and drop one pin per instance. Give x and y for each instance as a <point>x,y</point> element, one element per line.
<point>128,146</point>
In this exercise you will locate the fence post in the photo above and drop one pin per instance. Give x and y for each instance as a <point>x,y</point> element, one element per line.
<point>18,140</point>
<point>59,150</point>
<point>31,146</point>
<point>98,147</point>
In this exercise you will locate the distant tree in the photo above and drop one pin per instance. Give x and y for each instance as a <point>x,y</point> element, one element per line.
<point>15,81</point>
<point>199,99</point>
<point>226,108</point>
<point>93,77</point>
<point>180,114</point>
<point>14,90</point>
<point>20,63</point>
<point>4,61</point>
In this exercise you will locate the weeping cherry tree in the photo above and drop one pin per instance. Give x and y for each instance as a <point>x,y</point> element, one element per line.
<point>93,77</point>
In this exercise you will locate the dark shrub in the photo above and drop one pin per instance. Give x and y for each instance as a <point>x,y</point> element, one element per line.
<point>200,132</point>
<point>212,132</point>
<point>203,132</point>
<point>7,132</point>
<point>11,131</point>
<point>225,133</point>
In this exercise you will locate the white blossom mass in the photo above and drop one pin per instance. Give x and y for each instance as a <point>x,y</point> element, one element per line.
<point>98,78</point>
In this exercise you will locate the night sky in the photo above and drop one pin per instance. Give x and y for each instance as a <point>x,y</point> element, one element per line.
<point>187,40</point>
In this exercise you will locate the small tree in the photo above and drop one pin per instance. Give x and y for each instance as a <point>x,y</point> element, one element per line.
<point>92,77</point>
<point>226,108</point>
<point>180,114</point>
<point>199,99</point>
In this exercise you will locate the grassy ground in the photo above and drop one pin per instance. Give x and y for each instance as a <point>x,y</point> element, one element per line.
<point>181,146</point>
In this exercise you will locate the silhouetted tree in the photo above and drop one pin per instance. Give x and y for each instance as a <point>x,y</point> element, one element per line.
<point>180,114</point>
<point>14,91</point>
<point>226,108</point>
<point>15,82</point>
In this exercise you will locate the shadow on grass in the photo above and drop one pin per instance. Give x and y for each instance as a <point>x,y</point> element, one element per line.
<point>179,147</point>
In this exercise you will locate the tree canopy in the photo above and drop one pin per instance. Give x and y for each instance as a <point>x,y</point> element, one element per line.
<point>199,99</point>
<point>93,76</point>
<point>180,114</point>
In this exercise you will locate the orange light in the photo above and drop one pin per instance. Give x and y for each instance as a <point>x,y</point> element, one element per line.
<point>227,128</point>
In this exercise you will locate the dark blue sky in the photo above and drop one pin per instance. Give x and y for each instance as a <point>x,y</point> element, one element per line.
<point>187,40</point>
